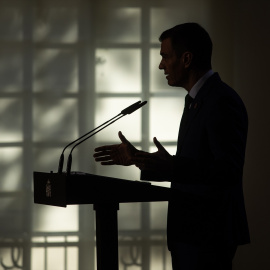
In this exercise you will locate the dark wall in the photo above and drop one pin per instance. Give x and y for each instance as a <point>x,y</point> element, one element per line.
<point>251,79</point>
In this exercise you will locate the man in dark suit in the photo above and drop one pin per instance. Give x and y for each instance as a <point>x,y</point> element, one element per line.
<point>206,214</point>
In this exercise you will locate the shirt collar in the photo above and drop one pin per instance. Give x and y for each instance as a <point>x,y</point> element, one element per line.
<point>198,85</point>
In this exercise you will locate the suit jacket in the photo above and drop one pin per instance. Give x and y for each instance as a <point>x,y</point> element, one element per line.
<point>207,202</point>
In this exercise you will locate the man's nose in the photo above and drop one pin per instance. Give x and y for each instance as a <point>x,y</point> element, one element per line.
<point>161,65</point>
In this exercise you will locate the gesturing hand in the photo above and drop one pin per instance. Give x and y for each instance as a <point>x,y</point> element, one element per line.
<point>117,154</point>
<point>160,161</point>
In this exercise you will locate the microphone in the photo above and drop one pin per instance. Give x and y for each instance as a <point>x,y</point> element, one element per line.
<point>130,109</point>
<point>134,107</point>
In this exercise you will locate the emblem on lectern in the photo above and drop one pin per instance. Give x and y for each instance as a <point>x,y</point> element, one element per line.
<point>48,189</point>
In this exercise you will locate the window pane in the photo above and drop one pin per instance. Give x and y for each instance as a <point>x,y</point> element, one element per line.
<point>162,19</point>
<point>49,218</point>
<point>11,168</point>
<point>7,259</point>
<point>158,81</point>
<point>158,215</point>
<point>130,125</point>
<point>72,258</point>
<point>183,11</point>
<point>47,159</point>
<point>120,25</point>
<point>129,216</point>
<point>55,71</point>
<point>38,258</point>
<point>10,24</point>
<point>55,119</point>
<point>165,116</point>
<point>118,70</point>
<point>56,256</point>
<point>160,258</point>
<point>11,120</point>
<point>56,24</point>
<point>12,214</point>
<point>11,69</point>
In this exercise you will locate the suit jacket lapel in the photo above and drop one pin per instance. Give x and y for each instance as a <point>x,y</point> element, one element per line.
<point>193,111</point>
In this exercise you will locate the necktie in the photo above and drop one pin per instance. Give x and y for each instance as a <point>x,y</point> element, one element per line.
<point>188,101</point>
<point>184,120</point>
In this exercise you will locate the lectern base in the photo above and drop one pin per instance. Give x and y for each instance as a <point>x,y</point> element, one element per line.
<point>107,235</point>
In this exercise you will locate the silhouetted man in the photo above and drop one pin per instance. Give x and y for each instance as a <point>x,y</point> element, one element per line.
<point>206,214</point>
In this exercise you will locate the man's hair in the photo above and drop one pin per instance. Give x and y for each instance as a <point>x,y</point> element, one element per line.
<point>193,38</point>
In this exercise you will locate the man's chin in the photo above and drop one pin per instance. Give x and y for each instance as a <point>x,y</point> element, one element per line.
<point>173,83</point>
<point>170,83</point>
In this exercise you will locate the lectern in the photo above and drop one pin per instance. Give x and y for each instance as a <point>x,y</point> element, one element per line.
<point>105,193</point>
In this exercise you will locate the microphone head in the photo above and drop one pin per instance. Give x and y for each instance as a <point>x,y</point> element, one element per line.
<point>131,108</point>
<point>142,104</point>
<point>138,107</point>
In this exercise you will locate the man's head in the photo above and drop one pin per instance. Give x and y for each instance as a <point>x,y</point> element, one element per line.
<point>189,47</point>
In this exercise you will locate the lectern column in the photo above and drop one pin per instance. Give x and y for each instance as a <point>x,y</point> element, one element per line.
<point>107,235</point>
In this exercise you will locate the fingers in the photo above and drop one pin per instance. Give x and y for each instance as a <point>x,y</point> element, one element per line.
<point>158,144</point>
<point>122,137</point>
<point>119,154</point>
<point>105,148</point>
<point>103,158</point>
<point>101,154</point>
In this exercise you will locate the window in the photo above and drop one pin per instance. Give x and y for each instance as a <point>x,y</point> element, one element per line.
<point>66,67</point>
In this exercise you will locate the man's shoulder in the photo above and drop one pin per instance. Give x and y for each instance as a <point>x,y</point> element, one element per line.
<point>215,90</point>
<point>218,97</point>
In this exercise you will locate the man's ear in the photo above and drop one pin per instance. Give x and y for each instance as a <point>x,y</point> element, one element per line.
<point>187,59</point>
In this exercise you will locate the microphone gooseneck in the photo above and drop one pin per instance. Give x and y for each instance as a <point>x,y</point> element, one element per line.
<point>130,109</point>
